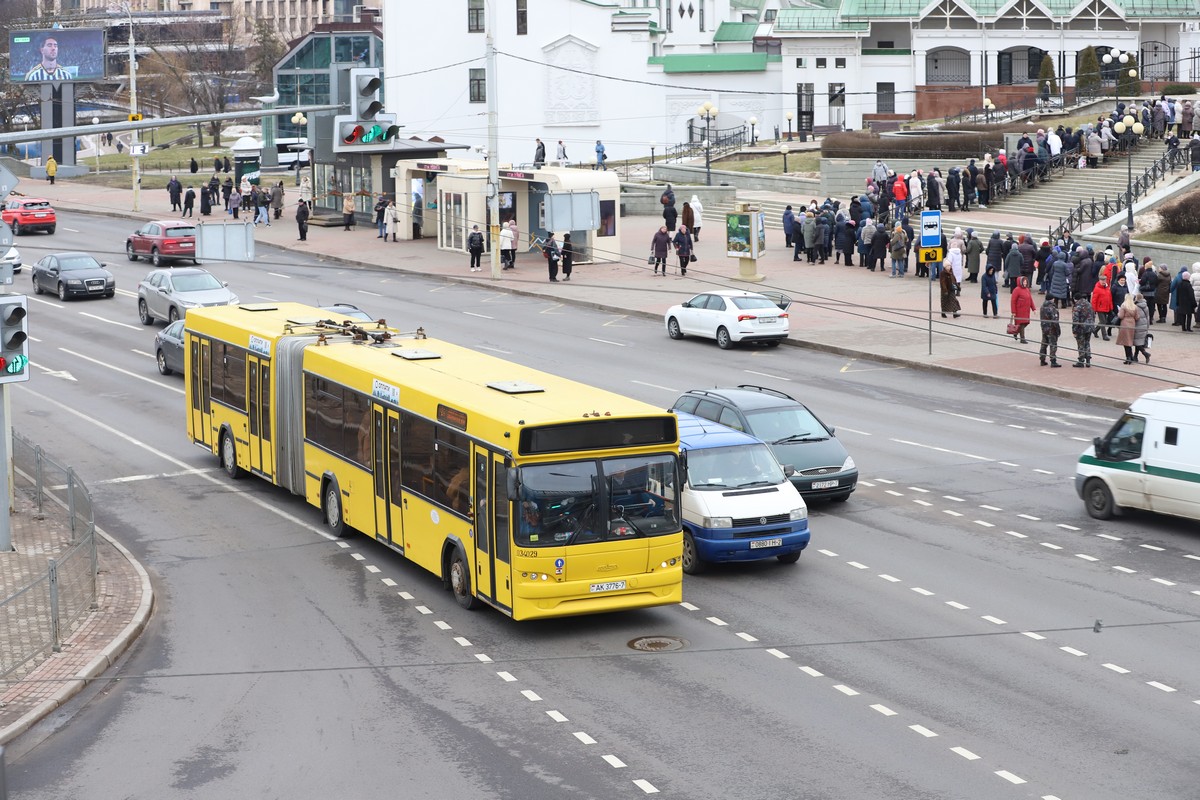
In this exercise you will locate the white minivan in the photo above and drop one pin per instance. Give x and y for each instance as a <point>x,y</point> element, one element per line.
<point>1150,459</point>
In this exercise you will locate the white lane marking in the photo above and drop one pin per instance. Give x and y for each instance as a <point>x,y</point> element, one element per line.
<point>1018,535</point>
<point>993,620</point>
<point>811,672</point>
<point>768,375</point>
<point>606,341</point>
<point>846,690</point>
<point>889,578</point>
<point>483,658</point>
<point>918,489</point>
<point>1037,637</point>
<point>614,762</point>
<point>440,624</point>
<point>1161,686</point>
<point>391,583</point>
<point>921,729</point>
<point>885,480</point>
<point>151,381</point>
<point>777,653</point>
<point>374,570</point>
<point>962,416</point>
<point>1163,581</point>
<point>405,595</point>
<point>531,695</point>
<point>828,553</point>
<point>991,508</point>
<point>965,753</point>
<point>1048,433</point>
<point>279,275</point>
<point>266,299</point>
<point>1008,464</point>
<point>655,386</point>
<point>499,350</point>
<point>882,709</point>
<point>462,641</point>
<point>372,294</point>
<point>1061,413</point>
<point>1030,517</point>
<point>720,623</point>
<point>1086,557</point>
<point>141,352</point>
<point>72,230</point>
<point>951,512</point>
<point>868,484</point>
<point>983,523</point>
<point>1043,471</point>
<point>841,428</point>
<point>857,565</point>
<point>1018,427</point>
<point>1116,669</point>
<point>1008,776</point>
<point>111,321</point>
<point>953,498</point>
<point>1126,570</point>
<point>358,556</point>
<point>1051,546</point>
<point>646,786</point>
<point>922,592</point>
<point>959,606</point>
<point>923,503</point>
<point>47,303</point>
<point>689,606</point>
<point>557,716</point>
<point>1080,439</point>
<point>746,637</point>
<point>1067,527</point>
<point>1110,537</point>
<point>426,610</point>
<point>507,677</point>
<point>1072,651</point>
<point>473,314</point>
<point>1194,558</point>
<point>126,293</point>
<point>158,476</point>
<point>1152,547</point>
<point>583,737</point>
<point>894,493</point>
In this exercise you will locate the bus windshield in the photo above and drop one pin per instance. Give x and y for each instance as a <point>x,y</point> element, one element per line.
<point>594,501</point>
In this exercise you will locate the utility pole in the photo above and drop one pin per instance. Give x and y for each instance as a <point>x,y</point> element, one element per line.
<point>493,160</point>
<point>133,109</point>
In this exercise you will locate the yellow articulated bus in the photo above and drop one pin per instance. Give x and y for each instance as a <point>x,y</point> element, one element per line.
<point>531,493</point>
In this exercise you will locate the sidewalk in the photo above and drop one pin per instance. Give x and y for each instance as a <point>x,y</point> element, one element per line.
<point>837,309</point>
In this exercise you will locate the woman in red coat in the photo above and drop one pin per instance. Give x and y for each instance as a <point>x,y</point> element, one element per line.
<point>1103,305</point>
<point>1022,308</point>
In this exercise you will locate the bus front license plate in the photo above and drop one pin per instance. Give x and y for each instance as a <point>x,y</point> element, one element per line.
<point>611,586</point>
<point>760,544</point>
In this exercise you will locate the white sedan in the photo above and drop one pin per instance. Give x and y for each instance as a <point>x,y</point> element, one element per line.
<point>731,316</point>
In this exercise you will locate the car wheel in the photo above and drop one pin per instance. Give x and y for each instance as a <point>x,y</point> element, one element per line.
<point>331,505</point>
<point>172,315</point>
<point>132,256</point>
<point>673,329</point>
<point>772,344</point>
<point>62,291</point>
<point>161,358</point>
<point>460,580</point>
<point>723,340</point>
<point>144,313</point>
<point>50,229</point>
<point>692,564</point>
<point>16,228</point>
<point>37,287</point>
<point>789,558</point>
<point>1099,499</point>
<point>229,456</point>
<point>155,258</point>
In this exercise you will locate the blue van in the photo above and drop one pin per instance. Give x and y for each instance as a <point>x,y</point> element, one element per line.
<point>738,504</point>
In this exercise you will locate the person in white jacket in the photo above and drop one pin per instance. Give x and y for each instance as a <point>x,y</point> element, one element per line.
<point>697,217</point>
<point>508,246</point>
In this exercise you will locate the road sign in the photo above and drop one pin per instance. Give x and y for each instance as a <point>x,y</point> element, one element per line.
<point>929,255</point>
<point>931,228</point>
<point>8,181</point>
<point>6,234</point>
<point>139,149</point>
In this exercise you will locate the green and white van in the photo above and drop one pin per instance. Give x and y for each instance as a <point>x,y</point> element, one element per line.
<point>1150,459</point>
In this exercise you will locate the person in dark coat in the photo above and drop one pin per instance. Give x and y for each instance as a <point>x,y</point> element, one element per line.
<point>1012,268</point>
<point>949,291</point>
<point>879,248</point>
<point>205,200</point>
<point>194,166</point>
<point>1042,263</point>
<point>189,202</point>
<point>226,190</point>
<point>856,211</point>
<point>789,226</point>
<point>175,192</point>
<point>933,191</point>
<point>953,186</point>
<point>227,165</point>
<point>849,237</point>
<point>660,245</point>
<point>994,253</point>
<point>1028,257</point>
<point>302,215</point>
<point>1185,302</point>
<point>216,163</point>
<point>568,256</point>
<point>1058,280</point>
<point>683,248</point>
<point>669,213</point>
<point>989,292</point>
<point>822,237</point>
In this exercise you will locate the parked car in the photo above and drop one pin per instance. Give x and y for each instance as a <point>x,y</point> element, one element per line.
<point>73,275</point>
<point>162,240</point>
<point>167,294</point>
<point>821,466</point>
<point>731,316</point>
<point>348,311</point>
<point>13,256</point>
<point>25,214</point>
<point>168,348</point>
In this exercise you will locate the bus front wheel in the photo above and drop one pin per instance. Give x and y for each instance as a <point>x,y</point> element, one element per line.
<point>331,505</point>
<point>692,565</point>
<point>460,580</point>
<point>229,456</point>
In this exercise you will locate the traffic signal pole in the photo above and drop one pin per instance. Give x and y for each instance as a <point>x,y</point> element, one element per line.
<point>493,159</point>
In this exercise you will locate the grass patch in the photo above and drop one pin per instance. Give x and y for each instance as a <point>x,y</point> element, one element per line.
<point>808,161</point>
<point>1162,237</point>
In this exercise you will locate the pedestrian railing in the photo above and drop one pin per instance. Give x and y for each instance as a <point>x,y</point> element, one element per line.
<point>1091,211</point>
<point>37,617</point>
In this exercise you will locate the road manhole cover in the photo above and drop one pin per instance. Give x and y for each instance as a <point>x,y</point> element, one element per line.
<point>658,644</point>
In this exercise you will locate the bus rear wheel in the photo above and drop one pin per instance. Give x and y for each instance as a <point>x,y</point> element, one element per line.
<point>460,581</point>
<point>229,456</point>
<point>331,505</point>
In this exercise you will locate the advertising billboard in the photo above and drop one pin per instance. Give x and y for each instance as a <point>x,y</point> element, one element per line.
<point>41,56</point>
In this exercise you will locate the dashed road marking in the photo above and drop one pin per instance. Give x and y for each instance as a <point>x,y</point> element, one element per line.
<point>720,623</point>
<point>921,591</point>
<point>1072,651</point>
<point>1152,547</point>
<point>1161,686</point>
<point>889,578</point>
<point>965,753</point>
<point>1163,581</point>
<point>951,512</point>
<point>1008,776</point>
<point>1051,545</point>
<point>922,503</point>
<point>882,709</point>
<point>1037,637</point>
<point>1110,537</point>
<point>646,786</point>
<point>614,762</point>
<point>777,653</point>
<point>812,672</point>
<point>942,450</point>
<point>557,716</point>
<point>583,737</point>
<point>1116,669</point>
<point>857,565</point>
<point>1126,570</point>
<point>921,729</point>
<point>1086,557</point>
<point>1029,517</point>
<point>1067,527</point>
<point>1018,535</point>
<point>846,690</point>
<point>993,620</point>
<point>959,606</point>
<point>953,498</point>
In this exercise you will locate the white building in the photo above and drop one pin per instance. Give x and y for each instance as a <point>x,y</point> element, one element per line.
<point>632,72</point>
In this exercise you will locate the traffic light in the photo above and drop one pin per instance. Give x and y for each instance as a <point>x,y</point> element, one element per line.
<point>14,338</point>
<point>364,127</point>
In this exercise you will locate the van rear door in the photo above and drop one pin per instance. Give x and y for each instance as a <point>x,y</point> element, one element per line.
<point>1172,472</point>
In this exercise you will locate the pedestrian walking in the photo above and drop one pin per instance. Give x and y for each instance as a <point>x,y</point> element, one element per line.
<point>561,154</point>
<point>949,291</point>
<point>697,217</point>
<point>684,248</point>
<point>552,254</point>
<point>568,256</point>
<point>539,154</point>
<point>475,248</point>
<point>789,226</point>
<point>347,210</point>
<point>1051,330</point>
<point>516,238</point>
<point>306,192</point>
<point>216,163</point>
<point>1102,304</point>
<point>226,190</point>
<point>989,292</point>
<point>686,218</point>
<point>391,221</point>
<point>667,199</point>
<point>194,166</point>
<point>601,157</point>
<point>1185,301</point>
<point>189,202</point>
<point>1083,325</point>
<point>302,214</point>
<point>380,211</point>
<point>897,246</point>
<point>205,200</point>
<point>1022,308</point>
<point>1127,314</point>
<point>277,199</point>
<point>226,165</point>
<point>659,246</point>
<point>51,169</point>
<point>507,245</point>
<point>262,207</point>
<point>235,202</point>
<point>175,193</point>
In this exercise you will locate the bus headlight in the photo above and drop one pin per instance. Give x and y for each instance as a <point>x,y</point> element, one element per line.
<point>798,513</point>
<point>717,522</point>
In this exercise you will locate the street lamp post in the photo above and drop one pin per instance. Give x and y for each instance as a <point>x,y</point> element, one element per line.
<point>783,149</point>
<point>96,144</point>
<point>299,119</point>
<point>125,7</point>
<point>652,146</point>
<point>707,112</point>
<point>753,122</point>
<point>988,108</point>
<point>788,116</point>
<point>1129,130</point>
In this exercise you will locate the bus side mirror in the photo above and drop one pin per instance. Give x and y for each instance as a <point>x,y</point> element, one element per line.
<point>513,482</point>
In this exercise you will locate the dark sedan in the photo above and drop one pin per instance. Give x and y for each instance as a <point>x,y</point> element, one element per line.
<point>168,348</point>
<point>73,275</point>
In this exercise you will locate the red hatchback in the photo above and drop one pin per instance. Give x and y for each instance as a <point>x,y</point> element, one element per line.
<point>159,241</point>
<point>24,214</point>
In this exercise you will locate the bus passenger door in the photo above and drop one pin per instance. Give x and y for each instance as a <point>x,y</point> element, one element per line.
<point>385,464</point>
<point>259,402</point>
<point>201,395</point>
<point>501,531</point>
<point>481,521</point>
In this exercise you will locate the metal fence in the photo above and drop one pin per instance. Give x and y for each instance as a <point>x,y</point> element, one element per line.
<point>40,615</point>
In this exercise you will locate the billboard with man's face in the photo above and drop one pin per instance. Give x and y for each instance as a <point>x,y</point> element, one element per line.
<point>75,54</point>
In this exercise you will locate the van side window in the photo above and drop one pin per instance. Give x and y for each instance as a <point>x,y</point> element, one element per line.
<point>729,419</point>
<point>1124,443</point>
<point>1171,436</point>
<point>709,410</point>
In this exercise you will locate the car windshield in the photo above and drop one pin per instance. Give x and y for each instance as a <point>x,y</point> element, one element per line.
<point>186,230</point>
<point>70,263</point>
<point>753,302</point>
<point>788,424</point>
<point>196,283</point>
<point>736,467</point>
<point>564,504</point>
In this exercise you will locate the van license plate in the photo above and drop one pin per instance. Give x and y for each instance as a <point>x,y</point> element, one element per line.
<point>759,544</point>
<point>824,484</point>
<point>611,586</point>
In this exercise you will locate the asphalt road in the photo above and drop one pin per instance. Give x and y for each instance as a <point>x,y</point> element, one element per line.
<point>937,640</point>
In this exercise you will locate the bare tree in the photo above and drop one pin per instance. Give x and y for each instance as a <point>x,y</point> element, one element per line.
<point>19,102</point>
<point>265,51</point>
